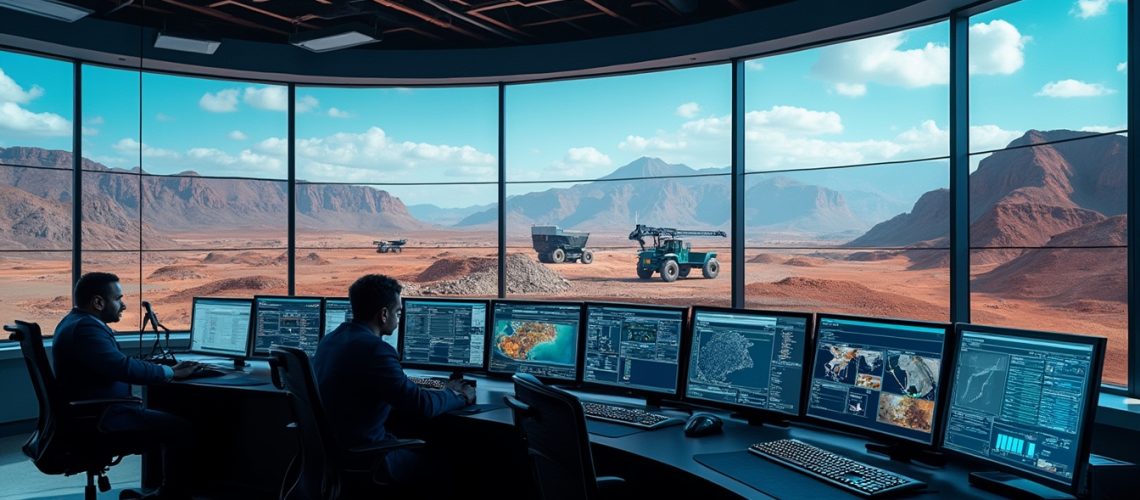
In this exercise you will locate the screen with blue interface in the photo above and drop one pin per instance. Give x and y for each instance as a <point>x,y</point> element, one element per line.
<point>286,321</point>
<point>633,347</point>
<point>220,326</point>
<point>877,375</point>
<point>540,338</point>
<point>444,333</point>
<point>748,358</point>
<point>339,310</point>
<point>1020,401</point>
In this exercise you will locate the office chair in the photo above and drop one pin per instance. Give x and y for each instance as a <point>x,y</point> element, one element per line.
<point>553,426</point>
<point>66,439</point>
<point>319,470</point>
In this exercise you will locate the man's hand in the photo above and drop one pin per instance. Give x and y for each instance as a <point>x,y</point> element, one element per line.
<point>184,368</point>
<point>460,388</point>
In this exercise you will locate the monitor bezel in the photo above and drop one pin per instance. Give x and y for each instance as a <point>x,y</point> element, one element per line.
<point>248,331</point>
<point>882,436</point>
<point>581,341</point>
<point>637,392</point>
<point>253,352</point>
<point>440,367</point>
<point>324,309</point>
<point>745,410</point>
<point>1084,438</point>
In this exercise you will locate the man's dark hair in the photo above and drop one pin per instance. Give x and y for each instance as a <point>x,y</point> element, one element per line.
<point>371,293</point>
<point>92,284</point>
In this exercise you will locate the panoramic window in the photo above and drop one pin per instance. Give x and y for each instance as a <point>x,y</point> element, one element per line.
<point>35,185</point>
<point>1048,192</point>
<point>846,201</point>
<point>589,160</point>
<point>399,181</point>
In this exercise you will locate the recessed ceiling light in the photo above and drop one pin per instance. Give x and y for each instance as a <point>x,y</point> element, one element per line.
<point>185,44</point>
<point>335,38</point>
<point>48,8</point>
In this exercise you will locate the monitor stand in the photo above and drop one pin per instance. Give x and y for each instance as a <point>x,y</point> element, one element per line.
<point>239,364</point>
<point>908,453</point>
<point>761,420</point>
<point>1011,486</point>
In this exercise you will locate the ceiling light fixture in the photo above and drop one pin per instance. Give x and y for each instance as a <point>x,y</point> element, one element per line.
<point>48,8</point>
<point>185,44</point>
<point>335,38</point>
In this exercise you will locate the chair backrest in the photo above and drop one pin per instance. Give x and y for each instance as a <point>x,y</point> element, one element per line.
<point>43,382</point>
<point>292,372</point>
<point>554,427</point>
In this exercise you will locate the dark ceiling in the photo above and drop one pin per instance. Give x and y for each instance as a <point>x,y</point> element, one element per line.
<point>419,24</point>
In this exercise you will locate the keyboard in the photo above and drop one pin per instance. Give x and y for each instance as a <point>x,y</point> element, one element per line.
<point>204,373</point>
<point>429,382</point>
<point>855,477</point>
<point>636,417</point>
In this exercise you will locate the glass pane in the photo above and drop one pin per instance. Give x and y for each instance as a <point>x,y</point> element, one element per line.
<point>111,119</point>
<point>1082,291</point>
<point>36,122</point>
<point>877,99</point>
<point>420,135</point>
<point>110,211</point>
<point>36,287</point>
<point>187,212</point>
<point>36,214</point>
<point>1043,65</point>
<point>125,265</point>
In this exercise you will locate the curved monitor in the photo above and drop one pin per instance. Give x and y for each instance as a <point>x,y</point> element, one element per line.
<point>220,326</point>
<point>443,333</point>
<point>880,376</point>
<point>634,348</point>
<point>752,361</point>
<point>1024,401</point>
<point>286,321</point>
<point>539,338</point>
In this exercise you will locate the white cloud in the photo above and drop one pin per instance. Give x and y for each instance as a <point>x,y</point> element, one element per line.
<point>1073,88</point>
<point>795,120</point>
<point>996,48</point>
<point>373,155</point>
<point>581,162</point>
<point>307,103</point>
<point>224,101</point>
<point>337,113</point>
<point>162,117</point>
<point>272,98</point>
<point>879,59</point>
<point>95,120</point>
<point>1101,129</point>
<point>1122,67</point>
<point>10,91</point>
<point>991,137</point>
<point>130,147</point>
<point>656,144</point>
<point>237,135</point>
<point>688,110</point>
<point>851,89</point>
<point>243,163</point>
<point>17,119</point>
<point>274,145</point>
<point>1085,9</point>
<point>754,65</point>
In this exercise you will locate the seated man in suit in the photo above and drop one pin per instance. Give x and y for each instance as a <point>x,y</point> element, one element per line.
<point>89,365</point>
<point>361,380</point>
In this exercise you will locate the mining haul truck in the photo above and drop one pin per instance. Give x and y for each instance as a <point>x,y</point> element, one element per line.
<point>386,246</point>
<point>556,246</point>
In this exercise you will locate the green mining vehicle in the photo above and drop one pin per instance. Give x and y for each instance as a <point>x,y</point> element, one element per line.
<point>386,246</point>
<point>556,246</point>
<point>671,256</point>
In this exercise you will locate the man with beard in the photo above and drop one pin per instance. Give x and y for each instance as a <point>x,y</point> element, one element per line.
<point>90,365</point>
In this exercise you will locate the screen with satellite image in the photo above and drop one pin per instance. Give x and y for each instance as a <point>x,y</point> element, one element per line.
<point>751,360</point>
<point>881,376</point>
<point>1023,400</point>
<point>539,338</point>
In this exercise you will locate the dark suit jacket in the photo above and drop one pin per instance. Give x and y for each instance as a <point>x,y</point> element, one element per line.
<point>89,365</point>
<point>361,381</point>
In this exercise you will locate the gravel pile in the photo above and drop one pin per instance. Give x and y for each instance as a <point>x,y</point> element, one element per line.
<point>524,275</point>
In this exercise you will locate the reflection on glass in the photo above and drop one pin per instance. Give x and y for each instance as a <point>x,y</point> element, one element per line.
<point>35,287</point>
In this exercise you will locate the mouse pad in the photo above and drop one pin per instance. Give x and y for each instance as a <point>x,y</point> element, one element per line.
<point>608,429</point>
<point>769,477</point>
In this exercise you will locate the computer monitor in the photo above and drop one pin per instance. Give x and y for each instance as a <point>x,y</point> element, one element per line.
<point>286,321</point>
<point>1024,401</point>
<point>751,361</point>
<point>634,348</point>
<point>444,333</point>
<point>338,310</point>
<point>220,326</point>
<point>539,338</point>
<point>879,376</point>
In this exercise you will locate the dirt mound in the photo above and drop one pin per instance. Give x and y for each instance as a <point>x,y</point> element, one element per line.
<point>766,258</point>
<point>177,272</point>
<point>312,259</point>
<point>454,268</point>
<point>248,258</point>
<point>1059,276</point>
<point>802,262</point>
<point>929,259</point>
<point>840,296</point>
<point>58,305</point>
<point>232,286</point>
<point>524,275</point>
<point>874,256</point>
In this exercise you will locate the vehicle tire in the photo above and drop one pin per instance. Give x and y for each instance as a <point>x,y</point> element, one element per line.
<point>587,257</point>
<point>669,271</point>
<point>382,249</point>
<point>644,273</point>
<point>399,249</point>
<point>558,255</point>
<point>543,257</point>
<point>711,268</point>
<point>684,273</point>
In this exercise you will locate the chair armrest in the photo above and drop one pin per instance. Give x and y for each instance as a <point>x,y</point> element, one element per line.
<point>610,484</point>
<point>371,457</point>
<point>95,407</point>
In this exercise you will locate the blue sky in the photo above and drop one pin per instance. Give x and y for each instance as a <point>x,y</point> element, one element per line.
<point>1036,64</point>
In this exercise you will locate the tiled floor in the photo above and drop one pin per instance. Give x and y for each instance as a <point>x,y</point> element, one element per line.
<point>19,479</point>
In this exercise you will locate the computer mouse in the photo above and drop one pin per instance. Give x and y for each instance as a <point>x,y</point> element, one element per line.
<point>703,424</point>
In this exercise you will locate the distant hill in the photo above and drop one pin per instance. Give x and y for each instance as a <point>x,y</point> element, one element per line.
<point>441,216</point>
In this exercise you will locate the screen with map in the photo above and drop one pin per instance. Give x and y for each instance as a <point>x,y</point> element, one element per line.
<point>443,333</point>
<point>633,347</point>
<point>540,338</point>
<point>1022,400</point>
<point>750,359</point>
<point>877,375</point>
<point>286,321</point>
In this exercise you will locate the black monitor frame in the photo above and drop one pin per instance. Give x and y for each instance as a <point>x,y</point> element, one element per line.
<point>751,413</point>
<point>894,444</point>
<point>253,352</point>
<point>652,398</point>
<point>1092,386</point>
<point>432,366</point>
<point>325,308</point>
<point>579,358</point>
<point>248,333</point>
